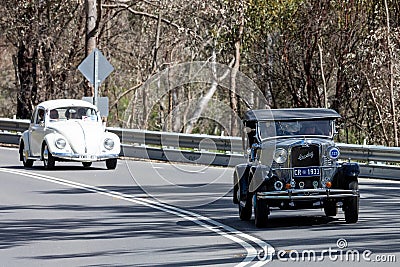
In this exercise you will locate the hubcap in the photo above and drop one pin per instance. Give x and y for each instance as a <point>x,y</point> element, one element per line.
<point>25,156</point>
<point>45,153</point>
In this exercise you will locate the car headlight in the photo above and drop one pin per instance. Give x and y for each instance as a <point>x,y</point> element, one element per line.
<point>280,155</point>
<point>60,143</point>
<point>333,153</point>
<point>109,144</point>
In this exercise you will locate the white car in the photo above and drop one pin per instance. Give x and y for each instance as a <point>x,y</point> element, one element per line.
<point>68,130</point>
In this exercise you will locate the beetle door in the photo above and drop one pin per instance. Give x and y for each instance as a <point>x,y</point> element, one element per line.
<point>36,132</point>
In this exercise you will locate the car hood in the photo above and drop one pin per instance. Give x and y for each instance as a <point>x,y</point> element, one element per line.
<point>83,136</point>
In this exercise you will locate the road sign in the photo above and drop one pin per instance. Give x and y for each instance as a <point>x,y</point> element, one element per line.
<point>96,68</point>
<point>88,67</point>
<point>102,104</point>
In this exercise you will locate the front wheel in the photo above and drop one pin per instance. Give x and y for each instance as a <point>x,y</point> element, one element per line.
<point>261,211</point>
<point>111,164</point>
<point>351,205</point>
<point>87,164</point>
<point>49,161</point>
<point>235,193</point>
<point>246,209</point>
<point>330,208</point>
<point>24,157</point>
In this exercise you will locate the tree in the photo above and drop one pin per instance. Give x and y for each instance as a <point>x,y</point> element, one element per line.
<point>47,50</point>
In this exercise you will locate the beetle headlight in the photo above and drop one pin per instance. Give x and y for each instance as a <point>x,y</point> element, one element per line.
<point>60,143</point>
<point>109,144</point>
<point>280,155</point>
<point>333,153</point>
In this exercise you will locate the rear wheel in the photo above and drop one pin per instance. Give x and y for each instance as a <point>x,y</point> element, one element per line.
<point>351,205</point>
<point>261,211</point>
<point>86,164</point>
<point>24,157</point>
<point>111,164</point>
<point>49,161</point>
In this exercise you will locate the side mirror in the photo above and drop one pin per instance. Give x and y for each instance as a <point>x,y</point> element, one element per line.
<point>336,130</point>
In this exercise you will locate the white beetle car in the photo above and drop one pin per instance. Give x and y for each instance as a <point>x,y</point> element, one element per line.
<point>68,130</point>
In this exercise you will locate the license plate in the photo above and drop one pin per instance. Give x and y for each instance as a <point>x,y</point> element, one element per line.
<point>92,157</point>
<point>306,172</point>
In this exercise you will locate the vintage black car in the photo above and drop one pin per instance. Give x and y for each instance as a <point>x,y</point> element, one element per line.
<point>293,164</point>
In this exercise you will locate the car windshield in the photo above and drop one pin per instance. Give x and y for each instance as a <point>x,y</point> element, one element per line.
<point>269,129</point>
<point>72,113</point>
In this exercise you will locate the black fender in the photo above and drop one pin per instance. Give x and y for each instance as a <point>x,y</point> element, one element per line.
<point>260,174</point>
<point>348,172</point>
<point>241,171</point>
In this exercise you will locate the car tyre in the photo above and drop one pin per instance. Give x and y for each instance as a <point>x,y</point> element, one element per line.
<point>49,161</point>
<point>111,164</point>
<point>235,189</point>
<point>25,161</point>
<point>87,164</point>
<point>330,208</point>
<point>351,205</point>
<point>245,211</point>
<point>235,194</point>
<point>261,212</point>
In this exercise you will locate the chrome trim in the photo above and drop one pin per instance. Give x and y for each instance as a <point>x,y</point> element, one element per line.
<point>83,157</point>
<point>298,194</point>
<point>292,168</point>
<point>330,137</point>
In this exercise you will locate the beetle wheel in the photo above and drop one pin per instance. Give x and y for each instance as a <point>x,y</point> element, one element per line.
<point>49,161</point>
<point>87,164</point>
<point>111,164</point>
<point>24,157</point>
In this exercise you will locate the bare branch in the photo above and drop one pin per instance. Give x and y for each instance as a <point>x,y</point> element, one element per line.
<point>145,14</point>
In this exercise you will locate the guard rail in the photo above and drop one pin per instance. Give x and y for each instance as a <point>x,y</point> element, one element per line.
<point>377,161</point>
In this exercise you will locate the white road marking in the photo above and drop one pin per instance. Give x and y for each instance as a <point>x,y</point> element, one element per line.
<point>208,223</point>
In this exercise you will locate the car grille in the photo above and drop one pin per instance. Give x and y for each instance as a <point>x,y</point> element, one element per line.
<point>304,156</point>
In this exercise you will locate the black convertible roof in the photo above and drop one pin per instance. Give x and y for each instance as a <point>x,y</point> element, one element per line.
<point>290,114</point>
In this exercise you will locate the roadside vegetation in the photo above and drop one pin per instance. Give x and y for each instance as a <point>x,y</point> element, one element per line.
<point>337,54</point>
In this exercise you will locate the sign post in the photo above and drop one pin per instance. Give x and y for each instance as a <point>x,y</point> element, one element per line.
<point>96,76</point>
<point>96,68</point>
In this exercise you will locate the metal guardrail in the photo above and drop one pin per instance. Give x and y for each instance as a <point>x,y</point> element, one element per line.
<point>13,125</point>
<point>178,140</point>
<point>215,150</point>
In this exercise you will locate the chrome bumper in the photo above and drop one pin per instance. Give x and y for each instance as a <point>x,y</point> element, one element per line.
<point>84,157</point>
<point>304,194</point>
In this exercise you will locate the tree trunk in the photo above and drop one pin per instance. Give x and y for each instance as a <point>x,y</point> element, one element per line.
<point>203,102</point>
<point>26,73</point>
<point>234,103</point>
<point>392,100</point>
<point>323,76</point>
<point>91,35</point>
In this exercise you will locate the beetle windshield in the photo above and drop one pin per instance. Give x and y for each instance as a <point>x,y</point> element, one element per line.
<point>72,113</point>
<point>269,129</point>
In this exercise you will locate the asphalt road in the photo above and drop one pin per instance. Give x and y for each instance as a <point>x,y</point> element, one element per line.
<point>164,214</point>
